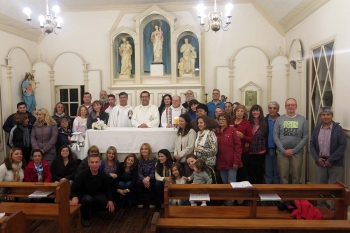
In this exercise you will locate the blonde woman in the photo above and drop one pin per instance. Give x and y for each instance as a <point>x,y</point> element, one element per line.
<point>44,135</point>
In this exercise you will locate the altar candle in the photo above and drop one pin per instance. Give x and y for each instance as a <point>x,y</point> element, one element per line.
<point>176,120</point>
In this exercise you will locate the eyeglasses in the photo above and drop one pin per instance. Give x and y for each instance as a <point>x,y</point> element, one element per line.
<point>222,119</point>
<point>290,105</point>
<point>214,93</point>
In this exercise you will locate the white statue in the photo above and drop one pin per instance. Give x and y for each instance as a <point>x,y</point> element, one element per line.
<point>157,40</point>
<point>181,66</point>
<point>125,52</point>
<point>186,49</point>
<point>193,59</point>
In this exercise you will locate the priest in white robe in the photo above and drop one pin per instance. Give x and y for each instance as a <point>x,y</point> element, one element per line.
<point>145,115</point>
<point>121,113</point>
<point>175,110</point>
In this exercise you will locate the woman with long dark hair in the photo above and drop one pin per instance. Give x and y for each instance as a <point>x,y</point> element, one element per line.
<point>64,166</point>
<point>163,172</point>
<point>257,148</point>
<point>166,103</point>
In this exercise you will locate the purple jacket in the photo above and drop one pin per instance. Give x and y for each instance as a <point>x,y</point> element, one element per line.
<point>44,137</point>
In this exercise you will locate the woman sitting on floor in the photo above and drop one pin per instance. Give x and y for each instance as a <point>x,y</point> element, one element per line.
<point>38,169</point>
<point>163,173</point>
<point>110,167</point>
<point>146,170</point>
<point>127,174</point>
<point>64,166</point>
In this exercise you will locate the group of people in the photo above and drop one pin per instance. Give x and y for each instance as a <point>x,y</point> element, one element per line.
<point>213,138</point>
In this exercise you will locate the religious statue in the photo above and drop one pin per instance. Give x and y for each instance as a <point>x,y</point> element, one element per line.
<point>157,40</point>
<point>251,98</point>
<point>181,66</point>
<point>125,51</point>
<point>189,54</point>
<point>28,91</point>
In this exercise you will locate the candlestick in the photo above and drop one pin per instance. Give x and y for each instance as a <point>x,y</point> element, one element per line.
<point>176,120</point>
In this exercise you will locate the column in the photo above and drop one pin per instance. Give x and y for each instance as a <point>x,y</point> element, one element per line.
<point>287,79</point>
<point>269,83</point>
<point>52,87</point>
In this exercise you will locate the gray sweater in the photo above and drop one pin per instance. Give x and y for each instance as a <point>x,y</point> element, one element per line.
<point>290,133</point>
<point>200,178</point>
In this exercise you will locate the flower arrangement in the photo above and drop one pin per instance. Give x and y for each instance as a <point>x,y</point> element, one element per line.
<point>99,125</point>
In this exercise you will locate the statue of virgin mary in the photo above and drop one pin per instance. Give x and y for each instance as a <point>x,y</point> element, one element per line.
<point>157,40</point>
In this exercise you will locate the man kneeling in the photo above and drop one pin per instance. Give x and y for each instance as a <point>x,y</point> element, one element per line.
<point>91,189</point>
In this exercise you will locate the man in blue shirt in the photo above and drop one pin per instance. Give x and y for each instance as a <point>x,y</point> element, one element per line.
<point>216,102</point>
<point>271,168</point>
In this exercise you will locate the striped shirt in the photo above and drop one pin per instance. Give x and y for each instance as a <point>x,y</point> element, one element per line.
<point>324,140</point>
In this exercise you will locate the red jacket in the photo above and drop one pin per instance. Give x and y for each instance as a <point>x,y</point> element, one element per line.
<point>245,128</point>
<point>305,210</point>
<point>229,149</point>
<point>31,175</point>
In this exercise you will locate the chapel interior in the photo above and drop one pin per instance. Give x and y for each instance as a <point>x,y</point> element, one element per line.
<point>275,49</point>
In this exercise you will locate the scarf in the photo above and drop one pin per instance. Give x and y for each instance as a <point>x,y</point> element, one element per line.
<point>60,115</point>
<point>39,169</point>
<point>204,136</point>
<point>26,135</point>
<point>15,171</point>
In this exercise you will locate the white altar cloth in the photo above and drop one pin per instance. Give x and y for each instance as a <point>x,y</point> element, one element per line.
<point>129,140</point>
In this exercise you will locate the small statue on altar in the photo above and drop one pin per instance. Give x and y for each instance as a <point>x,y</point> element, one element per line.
<point>157,40</point>
<point>125,51</point>
<point>28,91</point>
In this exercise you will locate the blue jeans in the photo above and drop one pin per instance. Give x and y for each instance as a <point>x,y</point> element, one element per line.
<point>271,167</point>
<point>125,199</point>
<point>228,176</point>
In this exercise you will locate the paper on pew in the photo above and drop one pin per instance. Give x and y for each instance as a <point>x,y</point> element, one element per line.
<point>269,197</point>
<point>199,197</point>
<point>38,194</point>
<point>2,215</point>
<point>243,184</point>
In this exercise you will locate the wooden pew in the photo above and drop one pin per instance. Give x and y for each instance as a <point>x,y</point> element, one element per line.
<point>252,217</point>
<point>16,222</point>
<point>60,210</point>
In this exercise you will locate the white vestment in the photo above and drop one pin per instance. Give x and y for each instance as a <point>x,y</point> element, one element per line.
<point>145,115</point>
<point>109,109</point>
<point>171,112</point>
<point>119,117</point>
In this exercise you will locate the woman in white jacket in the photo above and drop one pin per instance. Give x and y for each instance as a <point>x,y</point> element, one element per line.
<point>184,144</point>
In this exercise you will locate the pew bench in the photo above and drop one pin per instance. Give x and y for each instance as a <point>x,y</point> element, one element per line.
<point>253,216</point>
<point>60,211</point>
<point>16,222</point>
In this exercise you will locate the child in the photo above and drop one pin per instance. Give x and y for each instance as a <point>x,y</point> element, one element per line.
<point>199,176</point>
<point>38,169</point>
<point>177,176</point>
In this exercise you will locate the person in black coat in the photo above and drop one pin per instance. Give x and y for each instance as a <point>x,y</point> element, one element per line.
<point>20,135</point>
<point>64,133</point>
<point>64,166</point>
<point>97,114</point>
<point>127,174</point>
<point>10,121</point>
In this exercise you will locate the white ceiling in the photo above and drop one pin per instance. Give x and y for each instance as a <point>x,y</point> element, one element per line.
<point>280,13</point>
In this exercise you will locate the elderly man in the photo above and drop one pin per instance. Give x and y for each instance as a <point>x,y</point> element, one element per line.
<point>290,134</point>
<point>202,110</point>
<point>216,102</point>
<point>122,113</point>
<point>175,110</point>
<point>189,95</point>
<point>271,168</point>
<point>327,146</point>
<point>104,99</point>
<point>145,115</point>
<point>111,103</point>
<point>87,102</point>
<point>10,121</point>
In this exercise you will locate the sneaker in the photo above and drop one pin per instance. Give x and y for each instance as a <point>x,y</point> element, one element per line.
<point>152,206</point>
<point>193,204</point>
<point>140,206</point>
<point>204,204</point>
<point>85,223</point>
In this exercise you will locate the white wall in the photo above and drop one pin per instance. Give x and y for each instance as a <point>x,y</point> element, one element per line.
<point>332,19</point>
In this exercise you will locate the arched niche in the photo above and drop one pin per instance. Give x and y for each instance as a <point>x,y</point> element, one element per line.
<point>116,40</point>
<point>42,76</point>
<point>117,58</point>
<point>147,28</point>
<point>181,49</point>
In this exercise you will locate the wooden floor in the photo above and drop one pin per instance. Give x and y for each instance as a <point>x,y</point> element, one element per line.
<point>131,220</point>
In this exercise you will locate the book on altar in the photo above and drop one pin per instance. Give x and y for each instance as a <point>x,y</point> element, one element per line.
<point>269,197</point>
<point>199,197</point>
<point>38,194</point>
<point>243,184</point>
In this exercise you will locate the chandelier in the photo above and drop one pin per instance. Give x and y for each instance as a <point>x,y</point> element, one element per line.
<point>215,18</point>
<point>48,23</point>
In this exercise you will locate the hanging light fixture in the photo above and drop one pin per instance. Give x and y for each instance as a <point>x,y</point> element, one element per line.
<point>48,23</point>
<point>215,18</point>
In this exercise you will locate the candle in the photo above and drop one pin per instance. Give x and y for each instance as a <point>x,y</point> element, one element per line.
<point>176,120</point>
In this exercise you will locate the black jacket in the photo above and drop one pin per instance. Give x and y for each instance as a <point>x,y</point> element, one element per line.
<point>134,174</point>
<point>59,171</point>
<point>103,117</point>
<point>10,122</point>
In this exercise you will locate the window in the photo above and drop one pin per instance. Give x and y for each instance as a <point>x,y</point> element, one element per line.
<point>70,97</point>
<point>321,81</point>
